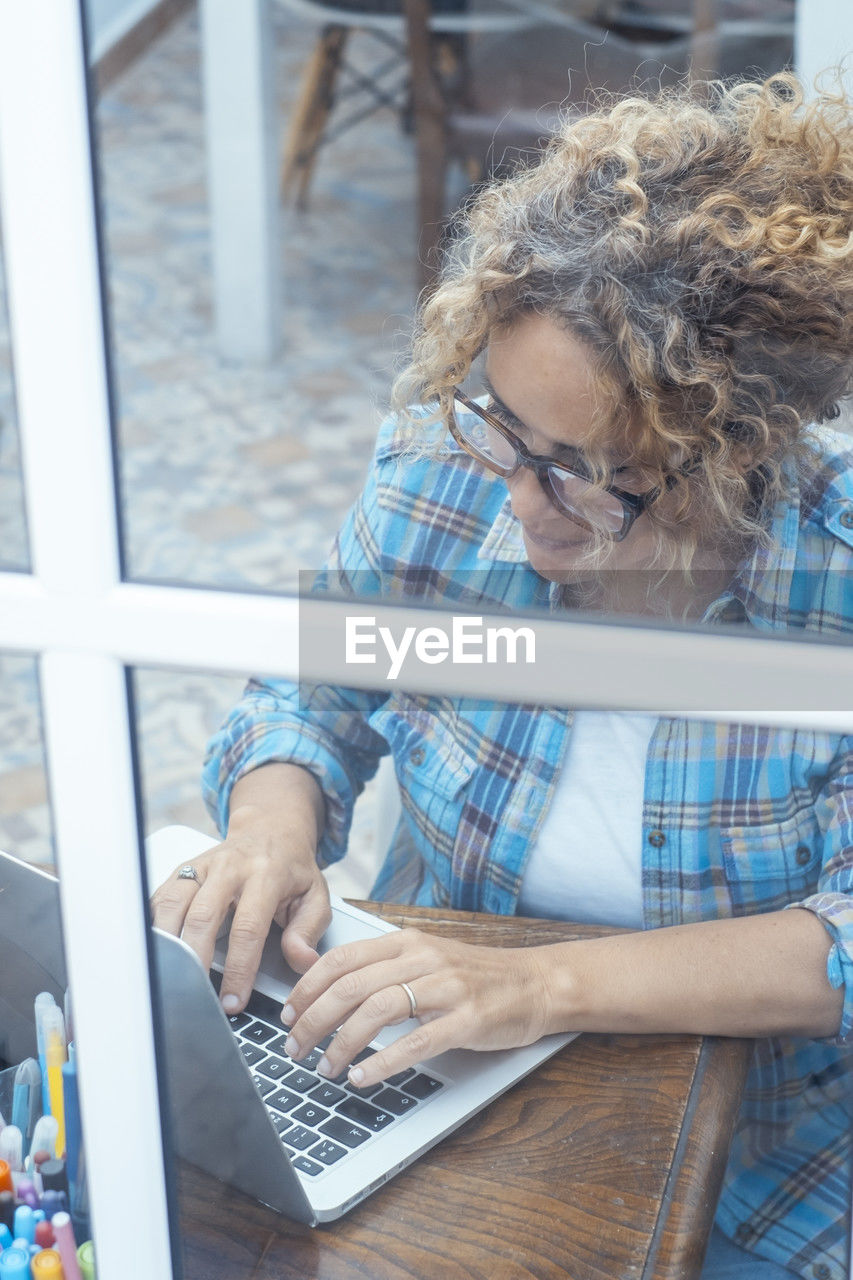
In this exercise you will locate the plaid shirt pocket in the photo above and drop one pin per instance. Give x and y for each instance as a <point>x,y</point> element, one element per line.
<point>768,865</point>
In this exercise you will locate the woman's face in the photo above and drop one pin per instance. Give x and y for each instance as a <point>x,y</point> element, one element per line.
<point>541,378</point>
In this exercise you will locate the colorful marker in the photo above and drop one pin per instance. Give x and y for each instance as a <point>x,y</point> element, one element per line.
<point>15,1264</point>
<point>67,1246</point>
<point>73,1131</point>
<point>26,1192</point>
<point>12,1148</point>
<point>45,1238</point>
<point>6,1237</point>
<point>44,1138</point>
<point>43,1001</point>
<point>86,1258</point>
<point>47,1265</point>
<point>54,1176</point>
<point>53,1025</point>
<point>26,1099</point>
<point>25,1227</point>
<point>54,1202</point>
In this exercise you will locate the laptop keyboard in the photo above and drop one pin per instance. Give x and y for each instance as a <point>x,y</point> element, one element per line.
<point>320,1121</point>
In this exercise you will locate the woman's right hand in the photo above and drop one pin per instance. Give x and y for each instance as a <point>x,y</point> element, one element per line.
<point>266,869</point>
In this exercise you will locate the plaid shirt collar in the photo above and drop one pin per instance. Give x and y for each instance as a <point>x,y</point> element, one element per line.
<point>753,595</point>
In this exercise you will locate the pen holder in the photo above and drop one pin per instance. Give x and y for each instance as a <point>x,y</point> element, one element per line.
<point>78,1200</point>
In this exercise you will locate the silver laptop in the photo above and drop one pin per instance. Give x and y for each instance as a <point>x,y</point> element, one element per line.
<point>236,1105</point>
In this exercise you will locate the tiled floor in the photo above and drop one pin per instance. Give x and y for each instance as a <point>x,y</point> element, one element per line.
<point>232,475</point>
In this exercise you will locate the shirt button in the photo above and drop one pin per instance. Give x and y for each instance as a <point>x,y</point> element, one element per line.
<point>803,854</point>
<point>657,838</point>
<point>821,1271</point>
<point>417,755</point>
<point>846,519</point>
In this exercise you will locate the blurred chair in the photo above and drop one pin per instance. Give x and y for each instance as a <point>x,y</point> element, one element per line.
<point>333,83</point>
<point>507,96</point>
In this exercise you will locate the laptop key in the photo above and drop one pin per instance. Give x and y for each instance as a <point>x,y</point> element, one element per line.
<point>423,1085</point>
<point>326,1094</point>
<point>283,1100</point>
<point>363,1113</point>
<point>311,1059</point>
<point>263,1086</point>
<point>400,1077</point>
<point>307,1166</point>
<point>328,1152</point>
<point>366,1090</point>
<point>277,1045</point>
<point>258,1032</point>
<point>301,1080</point>
<point>281,1123</point>
<point>299,1137</point>
<point>310,1113</point>
<point>342,1131</point>
<point>238,1020</point>
<point>275,1068</point>
<point>391,1100</point>
<point>251,1053</point>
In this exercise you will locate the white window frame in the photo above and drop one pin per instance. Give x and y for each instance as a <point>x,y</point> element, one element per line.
<point>87,626</point>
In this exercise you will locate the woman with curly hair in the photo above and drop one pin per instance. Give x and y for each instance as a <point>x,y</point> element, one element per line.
<point>662,311</point>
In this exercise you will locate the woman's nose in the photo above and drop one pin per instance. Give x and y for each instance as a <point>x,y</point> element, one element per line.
<point>526,495</point>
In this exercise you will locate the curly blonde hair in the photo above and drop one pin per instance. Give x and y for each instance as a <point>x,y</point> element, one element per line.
<point>700,242</point>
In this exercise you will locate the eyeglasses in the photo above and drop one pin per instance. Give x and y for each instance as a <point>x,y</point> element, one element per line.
<point>608,511</point>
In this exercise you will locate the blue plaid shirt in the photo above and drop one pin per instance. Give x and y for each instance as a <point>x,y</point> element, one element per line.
<point>737,819</point>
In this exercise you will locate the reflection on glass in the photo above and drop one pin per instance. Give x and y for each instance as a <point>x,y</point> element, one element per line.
<point>236,475</point>
<point>13,526</point>
<point>44,1216</point>
<point>25,827</point>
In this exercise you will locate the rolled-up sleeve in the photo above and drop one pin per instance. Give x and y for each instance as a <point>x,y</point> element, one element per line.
<point>832,902</point>
<point>324,730</point>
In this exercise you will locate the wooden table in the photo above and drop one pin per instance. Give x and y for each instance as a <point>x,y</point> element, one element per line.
<point>605,1163</point>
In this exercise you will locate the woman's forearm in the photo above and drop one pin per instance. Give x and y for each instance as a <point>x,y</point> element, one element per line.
<point>282,794</point>
<point>752,976</point>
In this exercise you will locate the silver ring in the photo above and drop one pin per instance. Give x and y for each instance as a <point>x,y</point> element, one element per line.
<point>188,873</point>
<point>413,1004</point>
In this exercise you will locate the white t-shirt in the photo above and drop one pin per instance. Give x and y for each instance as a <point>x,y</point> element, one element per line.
<point>587,862</point>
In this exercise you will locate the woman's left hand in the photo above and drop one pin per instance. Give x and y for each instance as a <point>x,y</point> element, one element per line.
<point>467,997</point>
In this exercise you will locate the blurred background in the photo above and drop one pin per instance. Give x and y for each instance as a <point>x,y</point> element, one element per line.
<point>273,178</point>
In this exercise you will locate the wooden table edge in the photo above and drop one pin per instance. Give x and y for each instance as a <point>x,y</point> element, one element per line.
<point>695,1181</point>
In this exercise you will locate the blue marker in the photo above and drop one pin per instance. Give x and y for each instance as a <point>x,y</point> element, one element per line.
<point>54,1202</point>
<point>73,1132</point>
<point>5,1236</point>
<point>25,1224</point>
<point>26,1100</point>
<point>15,1264</point>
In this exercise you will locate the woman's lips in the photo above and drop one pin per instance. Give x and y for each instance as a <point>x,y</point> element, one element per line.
<point>553,544</point>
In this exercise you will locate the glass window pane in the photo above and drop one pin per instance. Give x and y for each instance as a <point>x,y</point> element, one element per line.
<point>43,1191</point>
<point>25,828</point>
<point>234,474</point>
<point>586,820</point>
<point>13,526</point>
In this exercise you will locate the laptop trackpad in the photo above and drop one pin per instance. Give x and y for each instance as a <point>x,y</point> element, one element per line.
<point>348,925</point>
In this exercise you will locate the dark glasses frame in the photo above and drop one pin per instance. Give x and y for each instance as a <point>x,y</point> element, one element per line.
<point>633,504</point>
